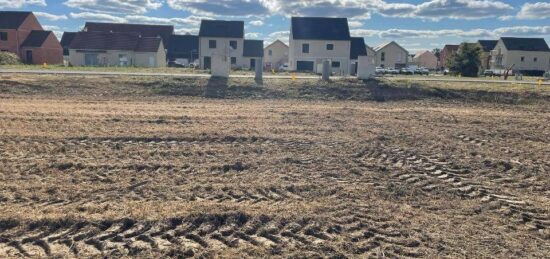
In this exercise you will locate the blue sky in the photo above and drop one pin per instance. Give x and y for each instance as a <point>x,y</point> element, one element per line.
<point>416,24</point>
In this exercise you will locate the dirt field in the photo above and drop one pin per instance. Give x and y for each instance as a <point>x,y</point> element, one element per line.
<point>93,167</point>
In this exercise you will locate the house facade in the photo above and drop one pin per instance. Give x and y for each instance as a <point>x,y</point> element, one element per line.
<point>183,49</point>
<point>22,34</point>
<point>222,39</point>
<point>486,47</point>
<point>314,40</point>
<point>425,59</point>
<point>253,52</point>
<point>446,53</point>
<point>391,55</point>
<point>116,49</point>
<point>528,55</point>
<point>275,55</point>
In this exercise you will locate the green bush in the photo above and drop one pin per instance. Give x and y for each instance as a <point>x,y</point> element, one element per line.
<point>8,58</point>
<point>466,61</point>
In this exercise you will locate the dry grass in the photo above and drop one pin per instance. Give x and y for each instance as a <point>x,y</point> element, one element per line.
<point>149,168</point>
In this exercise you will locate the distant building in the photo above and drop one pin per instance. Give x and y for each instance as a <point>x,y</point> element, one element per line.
<point>486,47</point>
<point>425,59</point>
<point>446,53</point>
<point>183,49</point>
<point>315,39</point>
<point>221,38</point>
<point>528,55</point>
<point>275,55</point>
<point>116,49</point>
<point>22,34</point>
<point>391,55</point>
<point>143,30</point>
<point>252,52</point>
<point>358,48</point>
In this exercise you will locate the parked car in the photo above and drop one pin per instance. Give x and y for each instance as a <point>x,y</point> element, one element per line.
<point>489,72</point>
<point>422,71</point>
<point>406,71</point>
<point>174,64</point>
<point>284,68</point>
<point>392,71</point>
<point>446,71</point>
<point>380,70</point>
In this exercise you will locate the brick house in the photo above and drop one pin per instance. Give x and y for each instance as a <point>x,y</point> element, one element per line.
<point>22,34</point>
<point>446,53</point>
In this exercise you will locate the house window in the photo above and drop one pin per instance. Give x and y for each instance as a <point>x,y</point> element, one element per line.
<point>535,59</point>
<point>305,48</point>
<point>270,52</point>
<point>212,44</point>
<point>522,59</point>
<point>335,64</point>
<point>3,36</point>
<point>383,56</point>
<point>233,44</point>
<point>330,46</point>
<point>233,60</point>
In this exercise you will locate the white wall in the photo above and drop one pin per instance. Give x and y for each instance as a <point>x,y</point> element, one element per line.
<point>318,53</point>
<point>222,49</point>
<point>393,55</point>
<point>514,58</point>
<point>279,54</point>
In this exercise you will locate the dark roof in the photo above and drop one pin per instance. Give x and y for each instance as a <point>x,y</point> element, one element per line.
<point>148,44</point>
<point>358,47</point>
<point>181,46</point>
<point>222,29</point>
<point>145,30</point>
<point>253,48</point>
<point>487,45</point>
<point>451,47</point>
<point>12,20</point>
<point>525,44</point>
<point>67,38</point>
<point>114,41</point>
<point>318,28</point>
<point>36,38</point>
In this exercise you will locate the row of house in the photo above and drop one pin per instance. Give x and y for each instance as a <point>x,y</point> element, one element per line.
<point>312,40</point>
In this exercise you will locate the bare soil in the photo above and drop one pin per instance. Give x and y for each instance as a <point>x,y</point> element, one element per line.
<point>152,167</point>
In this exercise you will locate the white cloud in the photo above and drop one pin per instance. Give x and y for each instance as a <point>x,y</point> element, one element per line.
<point>55,29</point>
<point>220,7</point>
<point>257,23</point>
<point>115,6</point>
<point>355,24</point>
<point>253,35</point>
<point>189,21</point>
<point>51,17</point>
<point>97,17</point>
<point>183,31</point>
<point>525,31</point>
<point>278,35</point>
<point>539,10</point>
<point>20,3</point>
<point>452,9</point>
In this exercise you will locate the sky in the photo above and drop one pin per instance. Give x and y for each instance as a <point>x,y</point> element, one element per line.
<point>416,24</point>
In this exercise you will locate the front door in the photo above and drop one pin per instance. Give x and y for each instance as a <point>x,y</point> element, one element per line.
<point>90,59</point>
<point>207,63</point>
<point>252,63</point>
<point>151,61</point>
<point>29,56</point>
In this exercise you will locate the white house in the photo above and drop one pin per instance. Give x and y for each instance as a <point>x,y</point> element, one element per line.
<point>315,39</point>
<point>275,55</point>
<point>529,55</point>
<point>221,38</point>
<point>391,55</point>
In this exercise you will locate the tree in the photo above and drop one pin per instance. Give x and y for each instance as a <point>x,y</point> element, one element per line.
<point>437,53</point>
<point>466,61</point>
